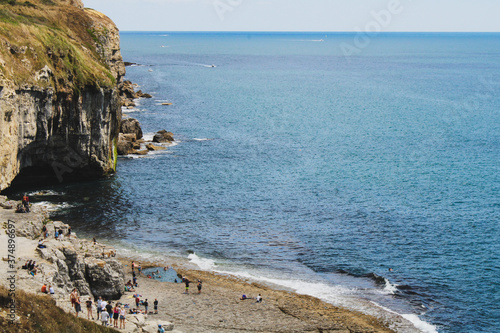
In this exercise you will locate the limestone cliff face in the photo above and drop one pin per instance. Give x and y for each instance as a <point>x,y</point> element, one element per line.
<point>60,71</point>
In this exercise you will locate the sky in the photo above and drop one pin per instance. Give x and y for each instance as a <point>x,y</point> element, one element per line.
<point>302,15</point>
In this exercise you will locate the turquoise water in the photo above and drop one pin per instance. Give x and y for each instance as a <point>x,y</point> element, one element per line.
<point>298,165</point>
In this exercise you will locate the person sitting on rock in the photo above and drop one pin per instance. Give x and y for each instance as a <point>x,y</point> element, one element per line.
<point>41,245</point>
<point>26,203</point>
<point>44,288</point>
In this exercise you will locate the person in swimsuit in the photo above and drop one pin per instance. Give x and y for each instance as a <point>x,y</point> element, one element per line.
<point>116,314</point>
<point>199,286</point>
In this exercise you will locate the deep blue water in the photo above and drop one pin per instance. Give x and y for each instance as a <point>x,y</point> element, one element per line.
<point>321,171</point>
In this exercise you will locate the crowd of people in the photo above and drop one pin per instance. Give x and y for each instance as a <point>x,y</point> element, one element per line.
<point>114,315</point>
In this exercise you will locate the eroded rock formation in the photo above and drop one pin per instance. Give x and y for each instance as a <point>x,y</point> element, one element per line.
<point>60,74</point>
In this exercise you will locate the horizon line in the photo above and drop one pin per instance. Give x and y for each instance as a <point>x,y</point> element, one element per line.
<point>319,32</point>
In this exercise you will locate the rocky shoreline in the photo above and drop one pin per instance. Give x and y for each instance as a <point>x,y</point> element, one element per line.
<point>95,269</point>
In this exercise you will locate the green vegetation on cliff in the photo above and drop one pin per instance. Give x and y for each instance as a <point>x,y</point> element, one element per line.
<point>39,33</point>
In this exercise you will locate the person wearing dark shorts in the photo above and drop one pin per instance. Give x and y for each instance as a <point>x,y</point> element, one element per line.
<point>199,286</point>
<point>109,310</point>
<point>78,307</point>
<point>116,314</point>
<point>155,305</point>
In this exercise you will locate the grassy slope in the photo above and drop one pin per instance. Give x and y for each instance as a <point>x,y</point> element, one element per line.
<point>40,314</point>
<point>36,33</point>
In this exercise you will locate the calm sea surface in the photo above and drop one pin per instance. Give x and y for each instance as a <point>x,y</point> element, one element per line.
<point>299,165</point>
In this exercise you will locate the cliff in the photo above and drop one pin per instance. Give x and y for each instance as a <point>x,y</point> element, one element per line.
<point>60,73</point>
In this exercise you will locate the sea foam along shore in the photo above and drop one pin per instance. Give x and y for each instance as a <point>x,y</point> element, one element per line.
<point>217,308</point>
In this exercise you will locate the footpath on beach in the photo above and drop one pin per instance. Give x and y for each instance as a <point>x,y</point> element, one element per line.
<point>96,270</point>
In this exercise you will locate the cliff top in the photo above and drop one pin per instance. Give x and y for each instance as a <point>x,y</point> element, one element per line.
<point>61,35</point>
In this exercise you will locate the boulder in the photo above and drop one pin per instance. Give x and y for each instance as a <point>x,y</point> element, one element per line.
<point>152,326</point>
<point>105,277</point>
<point>140,152</point>
<point>140,94</point>
<point>130,137</point>
<point>124,147</point>
<point>152,147</point>
<point>127,90</point>
<point>137,319</point>
<point>163,136</point>
<point>131,126</point>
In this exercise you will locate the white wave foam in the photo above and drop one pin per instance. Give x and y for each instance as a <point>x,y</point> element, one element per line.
<point>52,207</point>
<point>202,139</point>
<point>203,263</point>
<point>148,136</point>
<point>337,295</point>
<point>420,324</point>
<point>389,287</point>
<point>45,192</point>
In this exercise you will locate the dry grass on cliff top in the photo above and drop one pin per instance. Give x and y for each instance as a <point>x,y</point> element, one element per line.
<point>40,314</point>
<point>36,33</point>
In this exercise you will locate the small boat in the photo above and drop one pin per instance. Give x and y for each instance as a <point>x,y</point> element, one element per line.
<point>166,103</point>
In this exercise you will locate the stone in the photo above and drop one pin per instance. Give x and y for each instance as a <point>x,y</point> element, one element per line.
<point>131,126</point>
<point>153,147</point>
<point>128,137</point>
<point>140,94</point>
<point>107,281</point>
<point>140,152</point>
<point>163,137</point>
<point>124,147</point>
<point>152,326</point>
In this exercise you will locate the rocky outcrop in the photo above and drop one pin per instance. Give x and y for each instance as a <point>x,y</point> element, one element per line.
<point>131,126</point>
<point>105,277</point>
<point>60,109</point>
<point>163,136</point>
<point>128,94</point>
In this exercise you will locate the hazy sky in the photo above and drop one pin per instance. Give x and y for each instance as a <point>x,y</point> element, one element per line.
<point>301,15</point>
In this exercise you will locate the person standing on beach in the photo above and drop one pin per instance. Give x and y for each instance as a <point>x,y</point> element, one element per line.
<point>89,309</point>
<point>137,301</point>
<point>78,306</point>
<point>99,306</point>
<point>104,318</point>
<point>155,305</point>
<point>116,314</point>
<point>123,312</point>
<point>72,297</point>
<point>199,286</point>
<point>146,304</point>
<point>109,310</point>
<point>186,282</point>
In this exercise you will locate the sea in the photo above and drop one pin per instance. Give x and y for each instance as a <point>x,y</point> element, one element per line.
<point>360,169</point>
